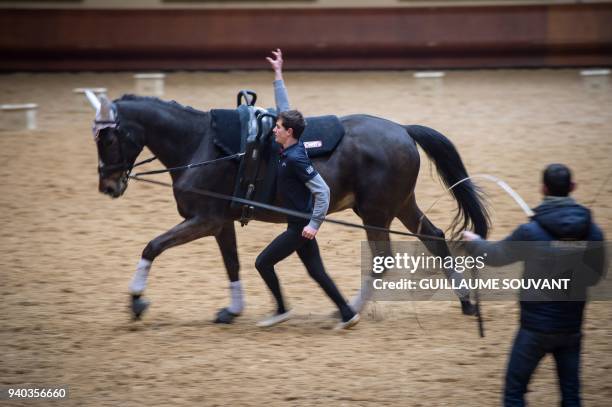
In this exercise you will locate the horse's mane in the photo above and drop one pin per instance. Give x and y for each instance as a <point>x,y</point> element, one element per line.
<point>172,104</point>
<point>185,121</point>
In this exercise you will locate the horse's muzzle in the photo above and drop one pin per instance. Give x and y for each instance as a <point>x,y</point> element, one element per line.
<point>113,187</point>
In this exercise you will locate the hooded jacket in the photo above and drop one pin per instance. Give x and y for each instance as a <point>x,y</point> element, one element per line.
<point>556,219</point>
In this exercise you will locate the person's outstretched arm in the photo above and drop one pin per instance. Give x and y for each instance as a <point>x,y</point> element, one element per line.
<point>280,91</point>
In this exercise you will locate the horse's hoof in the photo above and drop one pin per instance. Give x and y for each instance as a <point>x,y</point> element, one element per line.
<point>468,308</point>
<point>139,306</point>
<point>225,316</point>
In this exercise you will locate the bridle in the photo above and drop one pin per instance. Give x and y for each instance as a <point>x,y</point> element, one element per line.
<point>123,164</point>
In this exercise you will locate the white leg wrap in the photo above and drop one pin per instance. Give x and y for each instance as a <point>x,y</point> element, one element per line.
<point>237,304</point>
<point>139,281</point>
<point>360,299</point>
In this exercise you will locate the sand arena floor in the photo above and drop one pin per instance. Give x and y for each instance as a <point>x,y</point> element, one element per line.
<point>67,253</point>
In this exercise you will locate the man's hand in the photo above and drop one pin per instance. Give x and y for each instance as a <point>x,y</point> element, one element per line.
<point>470,236</point>
<point>309,233</point>
<point>277,62</point>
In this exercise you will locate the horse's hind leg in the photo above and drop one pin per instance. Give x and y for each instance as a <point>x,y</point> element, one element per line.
<point>412,217</point>
<point>380,245</point>
<point>184,232</point>
<point>226,239</point>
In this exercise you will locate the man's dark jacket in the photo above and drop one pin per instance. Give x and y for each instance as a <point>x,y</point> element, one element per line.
<point>556,219</point>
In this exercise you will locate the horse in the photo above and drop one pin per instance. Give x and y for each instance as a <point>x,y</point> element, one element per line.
<point>373,171</point>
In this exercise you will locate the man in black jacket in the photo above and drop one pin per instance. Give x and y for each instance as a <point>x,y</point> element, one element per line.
<point>548,326</point>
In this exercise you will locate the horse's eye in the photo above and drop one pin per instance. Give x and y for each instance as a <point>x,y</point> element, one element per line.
<point>108,141</point>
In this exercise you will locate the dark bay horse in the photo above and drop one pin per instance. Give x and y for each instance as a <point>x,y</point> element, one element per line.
<point>373,171</point>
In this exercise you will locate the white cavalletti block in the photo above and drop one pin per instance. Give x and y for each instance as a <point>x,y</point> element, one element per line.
<point>595,72</point>
<point>596,79</point>
<point>429,75</point>
<point>151,84</point>
<point>18,116</point>
<point>429,82</point>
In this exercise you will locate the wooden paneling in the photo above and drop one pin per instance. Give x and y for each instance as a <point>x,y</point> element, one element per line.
<point>383,38</point>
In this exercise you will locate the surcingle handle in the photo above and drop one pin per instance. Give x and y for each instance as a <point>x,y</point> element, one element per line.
<point>245,94</point>
<point>260,126</point>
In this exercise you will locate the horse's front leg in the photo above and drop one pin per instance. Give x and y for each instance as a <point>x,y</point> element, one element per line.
<point>184,232</point>
<point>226,239</point>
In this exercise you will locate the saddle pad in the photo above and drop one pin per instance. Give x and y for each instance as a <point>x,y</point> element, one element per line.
<point>230,129</point>
<point>322,135</point>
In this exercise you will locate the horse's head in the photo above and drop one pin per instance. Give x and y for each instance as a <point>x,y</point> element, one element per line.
<point>118,143</point>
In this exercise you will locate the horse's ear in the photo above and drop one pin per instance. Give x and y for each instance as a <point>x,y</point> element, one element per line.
<point>105,113</point>
<point>93,99</point>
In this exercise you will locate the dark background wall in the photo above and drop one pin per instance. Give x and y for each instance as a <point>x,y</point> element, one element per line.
<point>347,38</point>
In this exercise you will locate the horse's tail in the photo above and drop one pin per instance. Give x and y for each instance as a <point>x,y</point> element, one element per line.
<point>471,204</point>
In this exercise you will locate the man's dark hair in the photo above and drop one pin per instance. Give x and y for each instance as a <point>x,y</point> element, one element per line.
<point>292,119</point>
<point>557,179</point>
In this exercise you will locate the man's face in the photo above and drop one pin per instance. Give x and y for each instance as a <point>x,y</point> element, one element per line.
<point>281,134</point>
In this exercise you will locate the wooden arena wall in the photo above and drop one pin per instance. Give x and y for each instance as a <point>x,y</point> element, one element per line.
<point>470,36</point>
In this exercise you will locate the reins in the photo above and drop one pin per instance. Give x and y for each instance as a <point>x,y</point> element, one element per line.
<point>148,160</point>
<point>182,167</point>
